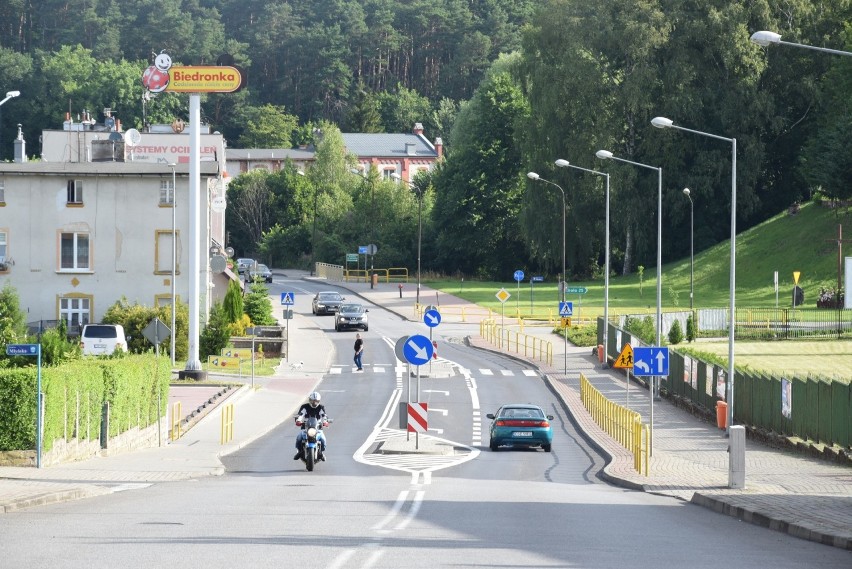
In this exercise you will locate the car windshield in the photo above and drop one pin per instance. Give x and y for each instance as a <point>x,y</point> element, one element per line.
<point>262,268</point>
<point>522,413</point>
<point>352,308</point>
<point>329,296</point>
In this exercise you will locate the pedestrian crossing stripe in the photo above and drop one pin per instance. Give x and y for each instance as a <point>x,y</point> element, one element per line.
<point>625,358</point>
<point>340,368</point>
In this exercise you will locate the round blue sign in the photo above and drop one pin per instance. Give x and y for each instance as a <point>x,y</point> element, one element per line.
<point>418,350</point>
<point>519,276</point>
<point>432,318</point>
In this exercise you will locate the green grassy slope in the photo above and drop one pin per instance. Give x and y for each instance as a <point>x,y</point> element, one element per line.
<point>804,242</point>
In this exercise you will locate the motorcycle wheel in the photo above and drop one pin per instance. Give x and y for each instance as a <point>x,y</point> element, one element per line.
<point>310,457</point>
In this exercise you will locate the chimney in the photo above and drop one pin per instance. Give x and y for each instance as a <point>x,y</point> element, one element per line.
<point>439,147</point>
<point>20,147</point>
<point>418,128</point>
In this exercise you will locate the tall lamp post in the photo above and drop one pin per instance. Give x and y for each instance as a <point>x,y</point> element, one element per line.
<point>174,259</point>
<point>371,247</point>
<point>764,39</point>
<point>9,95</point>
<point>691,250</point>
<point>565,164</point>
<point>419,192</point>
<point>536,178</point>
<point>663,122</point>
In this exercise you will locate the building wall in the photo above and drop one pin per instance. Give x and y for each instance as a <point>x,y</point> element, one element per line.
<point>122,215</point>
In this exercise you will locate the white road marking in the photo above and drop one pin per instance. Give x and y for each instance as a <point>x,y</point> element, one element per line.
<point>507,372</point>
<point>530,373</point>
<point>486,372</point>
<point>342,559</point>
<point>447,393</point>
<point>400,501</point>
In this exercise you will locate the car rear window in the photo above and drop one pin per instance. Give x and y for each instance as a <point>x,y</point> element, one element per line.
<point>99,332</point>
<point>522,413</point>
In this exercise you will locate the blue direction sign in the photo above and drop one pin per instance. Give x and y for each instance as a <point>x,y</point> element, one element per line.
<point>362,249</point>
<point>519,276</point>
<point>651,361</point>
<point>21,349</point>
<point>418,350</point>
<point>566,309</point>
<point>288,298</point>
<point>537,279</point>
<point>432,318</point>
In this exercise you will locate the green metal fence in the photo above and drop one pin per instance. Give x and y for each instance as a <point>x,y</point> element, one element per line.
<point>812,408</point>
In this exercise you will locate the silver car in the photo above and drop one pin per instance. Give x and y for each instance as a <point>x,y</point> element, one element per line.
<point>259,272</point>
<point>351,316</point>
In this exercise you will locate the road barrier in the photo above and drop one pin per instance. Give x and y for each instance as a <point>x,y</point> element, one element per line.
<point>177,417</point>
<point>622,424</point>
<point>227,431</point>
<point>518,342</point>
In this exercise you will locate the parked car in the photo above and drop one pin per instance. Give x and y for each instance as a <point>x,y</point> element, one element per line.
<point>520,425</point>
<point>243,264</point>
<point>259,272</point>
<point>351,316</point>
<point>327,302</point>
<point>102,339</point>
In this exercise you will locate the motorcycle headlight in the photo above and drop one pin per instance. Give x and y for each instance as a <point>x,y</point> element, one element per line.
<point>312,432</point>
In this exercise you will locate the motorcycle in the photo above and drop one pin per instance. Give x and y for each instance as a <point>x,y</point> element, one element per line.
<point>309,441</point>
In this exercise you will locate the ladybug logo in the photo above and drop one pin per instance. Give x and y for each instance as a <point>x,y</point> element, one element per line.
<point>156,77</point>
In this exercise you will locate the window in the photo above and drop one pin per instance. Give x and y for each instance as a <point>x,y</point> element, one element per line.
<point>388,173</point>
<point>75,310</point>
<point>167,192</point>
<point>163,257</point>
<point>2,190</point>
<point>3,250</point>
<point>75,191</point>
<point>74,251</point>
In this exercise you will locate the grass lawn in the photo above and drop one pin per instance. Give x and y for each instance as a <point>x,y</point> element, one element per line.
<point>827,358</point>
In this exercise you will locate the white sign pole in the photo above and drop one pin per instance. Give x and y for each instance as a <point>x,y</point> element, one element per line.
<point>193,362</point>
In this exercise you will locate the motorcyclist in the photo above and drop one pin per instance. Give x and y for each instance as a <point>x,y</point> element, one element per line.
<point>312,408</point>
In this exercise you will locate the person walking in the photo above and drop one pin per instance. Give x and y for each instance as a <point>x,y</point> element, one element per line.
<point>359,351</point>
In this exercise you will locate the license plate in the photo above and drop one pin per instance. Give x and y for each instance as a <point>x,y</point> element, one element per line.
<point>522,434</point>
<point>101,346</point>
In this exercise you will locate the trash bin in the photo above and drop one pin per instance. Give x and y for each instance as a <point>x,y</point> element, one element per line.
<point>374,280</point>
<point>721,414</point>
<point>601,354</point>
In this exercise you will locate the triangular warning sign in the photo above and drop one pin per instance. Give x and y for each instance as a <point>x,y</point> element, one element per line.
<point>625,358</point>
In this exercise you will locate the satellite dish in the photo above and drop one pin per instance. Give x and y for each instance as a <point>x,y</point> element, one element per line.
<point>132,137</point>
<point>115,136</point>
<point>218,263</point>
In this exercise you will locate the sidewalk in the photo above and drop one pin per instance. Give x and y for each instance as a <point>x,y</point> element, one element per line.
<point>796,495</point>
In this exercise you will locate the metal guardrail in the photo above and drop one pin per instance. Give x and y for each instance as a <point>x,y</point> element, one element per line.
<point>518,342</point>
<point>622,424</point>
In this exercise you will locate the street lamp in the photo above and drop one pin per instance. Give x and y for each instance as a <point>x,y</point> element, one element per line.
<point>9,95</point>
<point>662,122</point>
<point>765,39</point>
<point>691,249</point>
<point>371,248</point>
<point>174,259</point>
<point>565,164</point>
<point>419,191</point>
<point>536,178</point>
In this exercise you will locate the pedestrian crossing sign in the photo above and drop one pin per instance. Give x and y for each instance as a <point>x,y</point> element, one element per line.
<point>625,358</point>
<point>287,298</point>
<point>566,309</point>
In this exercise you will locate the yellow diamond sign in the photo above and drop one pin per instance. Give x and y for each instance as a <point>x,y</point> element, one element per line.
<point>503,295</point>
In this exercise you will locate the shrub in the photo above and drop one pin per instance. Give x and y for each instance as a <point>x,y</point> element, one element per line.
<point>215,335</point>
<point>233,302</point>
<point>258,306</point>
<point>675,333</point>
<point>690,328</point>
<point>643,329</point>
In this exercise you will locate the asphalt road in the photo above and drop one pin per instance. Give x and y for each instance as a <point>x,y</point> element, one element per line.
<point>470,508</point>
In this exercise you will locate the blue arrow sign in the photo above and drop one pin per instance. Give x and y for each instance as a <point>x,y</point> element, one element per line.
<point>651,361</point>
<point>432,318</point>
<point>287,298</point>
<point>362,249</point>
<point>537,279</point>
<point>418,350</point>
<point>566,309</point>
<point>22,349</point>
<point>519,276</point>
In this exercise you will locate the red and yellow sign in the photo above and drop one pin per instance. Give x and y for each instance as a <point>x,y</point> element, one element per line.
<point>204,79</point>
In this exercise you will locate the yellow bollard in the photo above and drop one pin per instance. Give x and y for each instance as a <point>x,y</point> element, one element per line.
<point>174,431</point>
<point>227,430</point>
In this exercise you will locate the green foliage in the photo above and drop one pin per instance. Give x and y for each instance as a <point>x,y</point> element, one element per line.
<point>675,333</point>
<point>13,327</point>
<point>136,388</point>
<point>215,334</point>
<point>232,304</point>
<point>258,306</point>
<point>136,317</point>
<point>690,327</point>
<point>642,328</point>
<point>56,348</point>
<point>641,271</point>
<point>584,336</point>
<point>266,126</point>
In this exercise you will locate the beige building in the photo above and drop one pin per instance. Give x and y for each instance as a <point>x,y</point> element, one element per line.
<point>77,235</point>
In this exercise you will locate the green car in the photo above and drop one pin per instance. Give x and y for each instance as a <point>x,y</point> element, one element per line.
<point>520,425</point>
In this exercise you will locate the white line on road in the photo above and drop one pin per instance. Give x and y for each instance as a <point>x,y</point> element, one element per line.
<point>403,496</point>
<point>447,393</point>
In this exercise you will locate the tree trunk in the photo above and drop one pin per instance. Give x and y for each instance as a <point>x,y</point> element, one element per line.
<point>628,251</point>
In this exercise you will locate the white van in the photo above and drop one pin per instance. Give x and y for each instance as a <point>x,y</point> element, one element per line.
<point>102,339</point>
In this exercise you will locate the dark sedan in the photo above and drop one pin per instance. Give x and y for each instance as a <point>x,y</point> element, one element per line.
<point>327,302</point>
